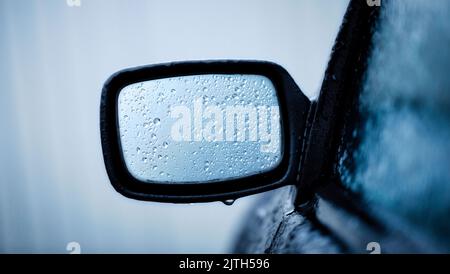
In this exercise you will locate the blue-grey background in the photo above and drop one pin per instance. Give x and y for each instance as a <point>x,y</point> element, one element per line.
<point>54,60</point>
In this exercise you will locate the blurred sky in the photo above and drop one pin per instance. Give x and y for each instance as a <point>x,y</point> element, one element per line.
<point>54,61</point>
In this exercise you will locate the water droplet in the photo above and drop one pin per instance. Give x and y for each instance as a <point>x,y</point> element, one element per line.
<point>156,121</point>
<point>165,144</point>
<point>229,202</point>
<point>206,167</point>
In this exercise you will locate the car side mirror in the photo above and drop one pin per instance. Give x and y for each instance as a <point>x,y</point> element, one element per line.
<point>202,131</point>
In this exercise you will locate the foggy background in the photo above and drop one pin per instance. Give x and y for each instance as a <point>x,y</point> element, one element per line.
<point>54,61</point>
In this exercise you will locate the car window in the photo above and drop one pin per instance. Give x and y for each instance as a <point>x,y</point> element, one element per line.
<point>56,56</point>
<point>401,162</point>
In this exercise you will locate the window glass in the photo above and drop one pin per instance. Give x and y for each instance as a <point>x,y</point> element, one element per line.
<point>402,162</point>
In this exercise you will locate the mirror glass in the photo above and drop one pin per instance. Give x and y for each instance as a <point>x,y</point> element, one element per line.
<point>200,128</point>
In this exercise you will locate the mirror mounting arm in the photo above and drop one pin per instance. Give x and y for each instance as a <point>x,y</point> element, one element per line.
<point>339,91</point>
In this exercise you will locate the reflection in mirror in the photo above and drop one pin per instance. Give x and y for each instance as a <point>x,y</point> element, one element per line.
<point>200,128</point>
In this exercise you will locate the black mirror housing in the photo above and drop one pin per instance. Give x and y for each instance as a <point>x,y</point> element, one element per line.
<point>294,107</point>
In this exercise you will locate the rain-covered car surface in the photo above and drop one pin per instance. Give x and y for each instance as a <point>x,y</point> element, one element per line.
<point>396,158</point>
<point>402,162</point>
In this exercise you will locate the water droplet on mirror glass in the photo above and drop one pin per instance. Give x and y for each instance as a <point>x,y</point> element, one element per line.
<point>149,126</point>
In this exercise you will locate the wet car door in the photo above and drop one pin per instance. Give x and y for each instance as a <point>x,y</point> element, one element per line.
<point>385,185</point>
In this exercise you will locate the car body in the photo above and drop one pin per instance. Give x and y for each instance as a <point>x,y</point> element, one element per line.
<point>379,182</point>
<point>351,184</point>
